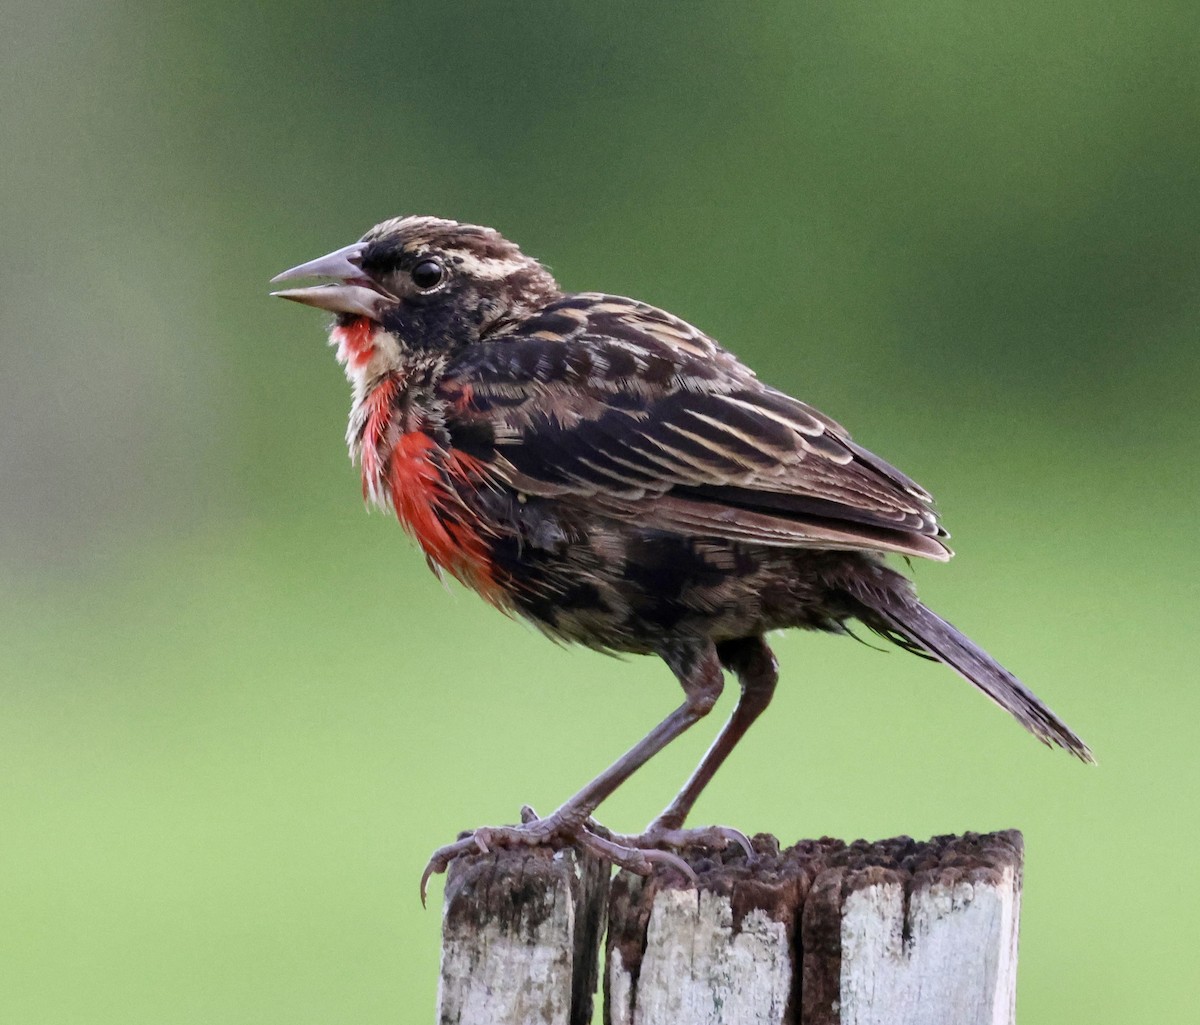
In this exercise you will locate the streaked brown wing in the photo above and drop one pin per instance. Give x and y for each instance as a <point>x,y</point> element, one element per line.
<point>621,405</point>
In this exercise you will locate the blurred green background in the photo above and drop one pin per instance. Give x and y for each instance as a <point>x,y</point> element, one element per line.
<point>237,713</point>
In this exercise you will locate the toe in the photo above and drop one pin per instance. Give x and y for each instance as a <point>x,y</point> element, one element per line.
<point>640,861</point>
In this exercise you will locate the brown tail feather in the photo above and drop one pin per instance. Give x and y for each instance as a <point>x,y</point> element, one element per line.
<point>900,616</point>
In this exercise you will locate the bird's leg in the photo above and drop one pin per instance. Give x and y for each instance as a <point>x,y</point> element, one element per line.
<point>757,672</point>
<point>697,666</point>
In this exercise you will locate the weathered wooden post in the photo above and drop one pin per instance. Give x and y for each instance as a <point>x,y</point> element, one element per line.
<point>521,938</point>
<point>824,932</point>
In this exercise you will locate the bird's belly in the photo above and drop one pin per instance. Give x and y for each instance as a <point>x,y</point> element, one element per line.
<point>614,586</point>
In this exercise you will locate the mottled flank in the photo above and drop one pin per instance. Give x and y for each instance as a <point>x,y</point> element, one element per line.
<point>611,473</point>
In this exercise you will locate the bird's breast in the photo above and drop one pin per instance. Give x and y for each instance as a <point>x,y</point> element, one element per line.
<point>428,484</point>
<point>431,489</point>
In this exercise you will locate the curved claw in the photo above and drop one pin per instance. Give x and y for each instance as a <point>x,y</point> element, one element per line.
<point>440,860</point>
<point>634,859</point>
<point>718,837</point>
<point>672,861</point>
<point>430,869</point>
<point>487,838</point>
<point>738,837</point>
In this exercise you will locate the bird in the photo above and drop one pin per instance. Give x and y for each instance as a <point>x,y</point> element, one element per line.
<point>610,473</point>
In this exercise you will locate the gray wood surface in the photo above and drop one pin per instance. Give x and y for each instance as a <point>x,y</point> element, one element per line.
<point>824,932</point>
<point>521,934</point>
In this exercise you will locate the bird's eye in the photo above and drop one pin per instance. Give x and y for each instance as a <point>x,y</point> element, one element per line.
<point>427,274</point>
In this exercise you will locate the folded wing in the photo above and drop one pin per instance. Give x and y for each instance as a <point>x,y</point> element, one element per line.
<point>620,405</point>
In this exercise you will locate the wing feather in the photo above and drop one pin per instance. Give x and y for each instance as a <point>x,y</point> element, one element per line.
<point>617,404</point>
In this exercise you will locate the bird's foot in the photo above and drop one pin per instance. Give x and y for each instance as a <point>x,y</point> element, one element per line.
<point>665,836</point>
<point>558,831</point>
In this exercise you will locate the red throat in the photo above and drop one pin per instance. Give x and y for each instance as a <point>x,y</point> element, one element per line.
<point>355,342</point>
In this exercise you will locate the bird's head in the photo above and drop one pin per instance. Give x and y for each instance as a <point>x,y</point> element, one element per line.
<point>421,284</point>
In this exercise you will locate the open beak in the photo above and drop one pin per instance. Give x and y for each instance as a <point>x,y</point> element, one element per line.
<point>353,292</point>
